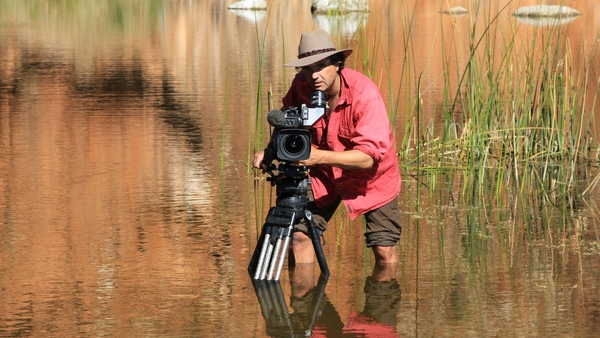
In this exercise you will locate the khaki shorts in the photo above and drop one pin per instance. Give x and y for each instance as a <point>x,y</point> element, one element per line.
<point>383,224</point>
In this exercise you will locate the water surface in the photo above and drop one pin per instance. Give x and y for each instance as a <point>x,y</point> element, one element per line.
<point>127,207</point>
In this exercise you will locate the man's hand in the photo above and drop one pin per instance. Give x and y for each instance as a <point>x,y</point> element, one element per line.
<point>262,160</point>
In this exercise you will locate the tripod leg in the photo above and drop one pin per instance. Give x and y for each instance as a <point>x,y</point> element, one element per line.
<point>283,239</point>
<point>271,249</point>
<point>261,259</point>
<point>283,253</point>
<point>314,236</point>
<point>267,260</point>
<point>274,259</point>
<point>256,255</point>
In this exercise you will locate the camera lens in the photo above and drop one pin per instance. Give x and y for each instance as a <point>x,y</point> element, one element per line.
<point>293,144</point>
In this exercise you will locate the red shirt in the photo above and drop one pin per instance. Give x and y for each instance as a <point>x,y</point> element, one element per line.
<point>359,121</point>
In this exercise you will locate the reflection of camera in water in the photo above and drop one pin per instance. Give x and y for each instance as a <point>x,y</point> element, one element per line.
<point>293,137</point>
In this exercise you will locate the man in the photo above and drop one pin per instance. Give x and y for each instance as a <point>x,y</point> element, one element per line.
<point>353,158</point>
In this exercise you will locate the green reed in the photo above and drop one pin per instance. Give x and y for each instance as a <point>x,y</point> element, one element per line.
<point>518,110</point>
<point>513,134</point>
<point>256,138</point>
<point>495,174</point>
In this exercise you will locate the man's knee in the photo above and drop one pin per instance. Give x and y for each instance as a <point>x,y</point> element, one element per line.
<point>385,254</point>
<point>302,248</point>
<point>299,238</point>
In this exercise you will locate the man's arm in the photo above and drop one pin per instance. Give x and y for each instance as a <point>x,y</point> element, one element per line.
<point>349,159</point>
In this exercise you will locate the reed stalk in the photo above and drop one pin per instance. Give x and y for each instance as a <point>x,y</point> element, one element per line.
<point>257,138</point>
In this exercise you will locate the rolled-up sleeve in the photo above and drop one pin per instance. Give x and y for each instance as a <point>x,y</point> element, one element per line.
<point>371,133</point>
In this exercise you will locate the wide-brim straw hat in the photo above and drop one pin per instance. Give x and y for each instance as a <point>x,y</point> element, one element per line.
<point>314,47</point>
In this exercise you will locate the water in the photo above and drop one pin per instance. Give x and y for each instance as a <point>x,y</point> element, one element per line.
<point>127,208</point>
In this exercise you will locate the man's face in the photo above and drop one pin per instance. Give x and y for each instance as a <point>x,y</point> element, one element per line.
<point>320,75</point>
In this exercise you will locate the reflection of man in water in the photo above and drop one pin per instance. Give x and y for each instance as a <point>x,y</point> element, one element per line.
<point>378,319</point>
<point>382,304</point>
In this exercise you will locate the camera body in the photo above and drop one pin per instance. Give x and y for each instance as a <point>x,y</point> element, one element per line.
<point>293,141</point>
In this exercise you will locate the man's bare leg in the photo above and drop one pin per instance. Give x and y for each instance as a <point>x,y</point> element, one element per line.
<point>385,254</point>
<point>302,278</point>
<point>302,249</point>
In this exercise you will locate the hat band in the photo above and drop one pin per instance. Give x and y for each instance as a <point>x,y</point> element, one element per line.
<point>315,52</point>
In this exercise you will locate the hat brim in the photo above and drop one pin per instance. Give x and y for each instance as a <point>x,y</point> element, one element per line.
<point>309,60</point>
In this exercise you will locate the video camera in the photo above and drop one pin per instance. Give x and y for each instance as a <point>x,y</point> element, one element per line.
<point>293,139</point>
<point>292,143</point>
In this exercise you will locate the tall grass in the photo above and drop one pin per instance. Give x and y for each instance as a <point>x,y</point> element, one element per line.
<point>513,133</point>
<point>511,143</point>
<point>518,114</point>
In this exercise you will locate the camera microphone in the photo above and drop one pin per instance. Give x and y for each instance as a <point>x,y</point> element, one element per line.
<point>276,118</point>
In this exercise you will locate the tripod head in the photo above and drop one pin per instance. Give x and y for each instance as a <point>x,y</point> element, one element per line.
<point>291,183</point>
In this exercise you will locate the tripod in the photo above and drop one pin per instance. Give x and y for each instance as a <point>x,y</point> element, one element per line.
<point>292,186</point>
